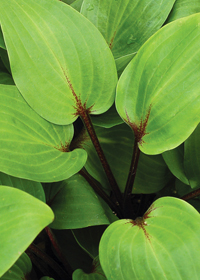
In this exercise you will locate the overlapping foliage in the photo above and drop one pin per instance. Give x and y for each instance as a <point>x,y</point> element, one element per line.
<point>99,134</point>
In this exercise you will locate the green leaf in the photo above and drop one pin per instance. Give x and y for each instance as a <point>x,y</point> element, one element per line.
<point>183,8</point>
<point>164,244</point>
<point>76,205</point>
<point>123,61</point>
<point>184,161</point>
<point>192,158</point>
<point>95,274</point>
<point>2,43</point>
<point>31,147</point>
<point>2,66</point>
<point>19,270</point>
<point>77,5</point>
<point>6,79</point>
<point>74,254</point>
<point>117,144</point>
<point>5,59</point>
<point>69,2</point>
<point>33,188</point>
<point>158,92</point>
<point>175,161</point>
<point>88,239</point>
<point>108,119</point>
<point>60,62</point>
<point>22,217</point>
<point>126,24</point>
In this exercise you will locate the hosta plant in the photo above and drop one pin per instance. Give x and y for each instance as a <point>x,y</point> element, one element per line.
<point>100,139</point>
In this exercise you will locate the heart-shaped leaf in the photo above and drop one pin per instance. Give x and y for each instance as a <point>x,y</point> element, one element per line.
<point>126,24</point>
<point>163,244</point>
<point>31,147</point>
<point>60,62</point>
<point>22,217</point>
<point>158,94</point>
<point>183,8</point>
<point>76,205</point>
<point>19,270</point>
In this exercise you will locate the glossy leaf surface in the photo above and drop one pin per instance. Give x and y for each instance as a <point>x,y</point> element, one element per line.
<point>117,144</point>
<point>192,158</point>
<point>164,244</point>
<point>183,8</point>
<point>57,81</point>
<point>126,24</point>
<point>22,217</point>
<point>158,93</point>
<point>19,270</point>
<point>31,147</point>
<point>76,205</point>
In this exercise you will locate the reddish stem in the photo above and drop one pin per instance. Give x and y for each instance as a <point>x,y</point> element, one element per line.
<point>90,129</point>
<point>191,195</point>
<point>58,250</point>
<point>127,207</point>
<point>42,255</point>
<point>100,192</point>
<point>37,263</point>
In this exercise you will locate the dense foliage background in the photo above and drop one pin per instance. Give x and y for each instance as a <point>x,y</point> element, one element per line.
<point>99,134</point>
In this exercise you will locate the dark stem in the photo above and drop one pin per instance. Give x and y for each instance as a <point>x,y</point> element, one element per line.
<point>48,260</point>
<point>191,195</point>
<point>90,129</point>
<point>37,263</point>
<point>58,250</point>
<point>101,192</point>
<point>127,207</point>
